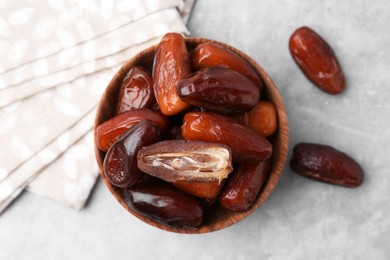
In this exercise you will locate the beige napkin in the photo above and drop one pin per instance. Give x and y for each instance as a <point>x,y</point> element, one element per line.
<point>50,87</point>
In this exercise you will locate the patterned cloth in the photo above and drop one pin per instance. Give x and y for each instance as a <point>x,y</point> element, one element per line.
<point>57,59</point>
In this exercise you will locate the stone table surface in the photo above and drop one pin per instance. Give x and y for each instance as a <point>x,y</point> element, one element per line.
<point>302,219</point>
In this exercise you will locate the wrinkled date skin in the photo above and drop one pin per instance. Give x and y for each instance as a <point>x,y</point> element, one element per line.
<point>263,118</point>
<point>244,185</point>
<point>211,54</point>
<point>120,163</point>
<point>317,60</point>
<point>326,164</point>
<point>171,64</point>
<point>165,204</point>
<point>219,88</point>
<point>246,145</point>
<point>110,130</point>
<point>136,90</point>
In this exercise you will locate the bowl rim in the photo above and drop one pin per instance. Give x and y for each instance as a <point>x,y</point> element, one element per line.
<point>281,139</point>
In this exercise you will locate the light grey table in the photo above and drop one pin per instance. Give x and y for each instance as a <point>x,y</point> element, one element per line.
<point>302,219</point>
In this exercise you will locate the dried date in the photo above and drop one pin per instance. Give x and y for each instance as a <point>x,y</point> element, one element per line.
<point>210,54</point>
<point>136,90</point>
<point>120,163</point>
<point>244,185</point>
<point>219,88</point>
<point>165,204</point>
<point>325,163</point>
<point>246,145</point>
<point>171,64</point>
<point>317,60</point>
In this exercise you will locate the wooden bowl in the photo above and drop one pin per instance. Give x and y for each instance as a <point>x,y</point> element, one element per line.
<point>217,218</point>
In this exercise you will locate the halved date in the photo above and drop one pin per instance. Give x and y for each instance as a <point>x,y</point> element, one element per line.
<point>110,130</point>
<point>317,60</point>
<point>188,161</point>
<point>165,204</point>
<point>210,54</point>
<point>120,162</point>
<point>245,143</point>
<point>244,185</point>
<point>136,90</point>
<point>219,88</point>
<point>171,63</point>
<point>326,164</point>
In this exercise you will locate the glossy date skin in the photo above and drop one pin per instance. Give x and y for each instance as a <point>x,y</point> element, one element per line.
<point>120,162</point>
<point>244,185</point>
<point>110,130</point>
<point>171,64</point>
<point>263,118</point>
<point>211,54</point>
<point>165,204</point>
<point>246,145</point>
<point>219,88</point>
<point>317,60</point>
<point>136,90</point>
<point>326,164</point>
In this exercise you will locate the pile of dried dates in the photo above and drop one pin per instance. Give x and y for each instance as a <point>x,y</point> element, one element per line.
<point>191,134</point>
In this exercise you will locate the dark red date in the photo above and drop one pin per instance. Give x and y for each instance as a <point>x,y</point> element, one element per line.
<point>109,131</point>
<point>246,145</point>
<point>120,163</point>
<point>244,185</point>
<point>326,164</point>
<point>317,60</point>
<point>210,54</point>
<point>219,88</point>
<point>165,204</point>
<point>136,90</point>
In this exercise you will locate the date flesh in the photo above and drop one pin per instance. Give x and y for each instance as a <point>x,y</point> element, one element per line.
<point>110,130</point>
<point>136,90</point>
<point>211,54</point>
<point>246,145</point>
<point>120,163</point>
<point>181,160</point>
<point>244,185</point>
<point>219,88</point>
<point>317,60</point>
<point>171,64</point>
<point>325,163</point>
<point>165,204</point>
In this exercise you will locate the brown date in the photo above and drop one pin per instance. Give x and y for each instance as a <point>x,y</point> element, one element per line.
<point>205,190</point>
<point>196,167</point>
<point>326,164</point>
<point>120,163</point>
<point>263,118</point>
<point>246,145</point>
<point>165,204</point>
<point>219,88</point>
<point>183,160</point>
<point>171,64</point>
<point>136,90</point>
<point>110,130</point>
<point>317,60</point>
<point>244,185</point>
<point>211,54</point>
